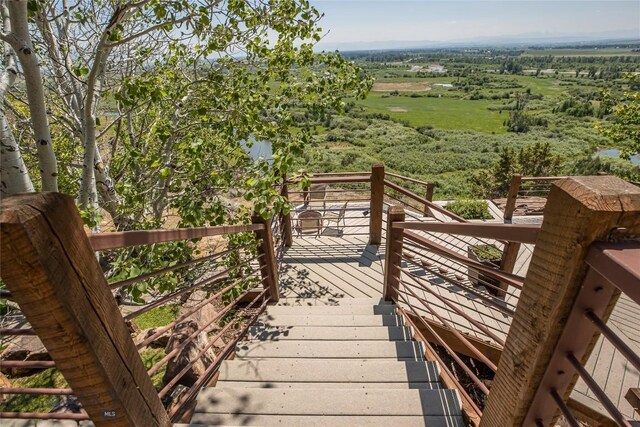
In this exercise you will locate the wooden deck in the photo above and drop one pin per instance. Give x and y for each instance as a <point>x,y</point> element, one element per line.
<point>341,264</point>
<point>348,362</point>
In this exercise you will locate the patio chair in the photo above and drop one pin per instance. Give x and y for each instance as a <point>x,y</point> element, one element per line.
<point>336,217</point>
<point>317,196</point>
<point>309,222</point>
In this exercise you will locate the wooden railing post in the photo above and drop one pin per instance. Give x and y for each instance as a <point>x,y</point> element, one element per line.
<point>508,263</point>
<point>266,257</point>
<point>286,218</point>
<point>429,197</point>
<point>377,203</point>
<point>510,205</point>
<point>305,195</point>
<point>51,270</point>
<point>579,211</point>
<point>392,258</point>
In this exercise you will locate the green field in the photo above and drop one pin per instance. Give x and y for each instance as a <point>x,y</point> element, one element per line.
<point>443,113</point>
<point>452,135</point>
<point>452,108</point>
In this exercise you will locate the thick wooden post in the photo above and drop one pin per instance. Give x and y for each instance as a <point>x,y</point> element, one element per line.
<point>267,258</point>
<point>392,258</point>
<point>50,268</point>
<point>514,188</point>
<point>377,203</point>
<point>286,218</point>
<point>429,197</point>
<point>579,211</point>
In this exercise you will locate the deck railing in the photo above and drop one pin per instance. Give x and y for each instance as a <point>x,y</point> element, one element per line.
<point>418,266</point>
<point>612,268</point>
<point>527,186</point>
<point>50,269</point>
<point>413,185</point>
<point>342,194</point>
<point>515,365</point>
<point>533,186</point>
<point>553,315</point>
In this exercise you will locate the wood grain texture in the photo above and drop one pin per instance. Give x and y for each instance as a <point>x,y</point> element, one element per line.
<point>267,259</point>
<point>393,257</point>
<point>49,266</point>
<point>429,197</point>
<point>580,210</point>
<point>377,201</point>
<point>512,196</point>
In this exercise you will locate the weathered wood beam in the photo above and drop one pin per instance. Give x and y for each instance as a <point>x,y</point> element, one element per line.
<point>512,196</point>
<point>49,265</point>
<point>377,204</point>
<point>393,259</point>
<point>580,210</point>
<point>266,257</point>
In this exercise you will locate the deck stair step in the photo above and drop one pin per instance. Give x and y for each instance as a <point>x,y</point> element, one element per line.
<point>286,371</point>
<point>311,302</point>
<point>292,302</point>
<point>329,333</point>
<point>343,362</point>
<point>329,320</point>
<point>399,350</point>
<point>332,309</point>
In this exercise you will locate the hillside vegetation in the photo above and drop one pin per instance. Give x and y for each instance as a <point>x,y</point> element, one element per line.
<point>451,125</point>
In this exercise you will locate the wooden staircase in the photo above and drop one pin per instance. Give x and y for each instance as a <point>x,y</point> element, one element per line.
<point>346,362</point>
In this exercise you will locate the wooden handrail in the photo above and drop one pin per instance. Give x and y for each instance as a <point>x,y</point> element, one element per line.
<point>422,200</point>
<point>339,179</point>
<point>542,178</point>
<point>393,257</point>
<point>335,179</point>
<point>123,239</point>
<point>512,196</point>
<point>267,258</point>
<point>340,173</point>
<point>523,233</point>
<point>406,178</point>
<point>51,270</point>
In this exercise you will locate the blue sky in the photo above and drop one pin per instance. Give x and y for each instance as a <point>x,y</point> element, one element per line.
<point>357,21</point>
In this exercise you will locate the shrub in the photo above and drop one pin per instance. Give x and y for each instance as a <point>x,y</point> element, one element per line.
<point>487,252</point>
<point>470,209</point>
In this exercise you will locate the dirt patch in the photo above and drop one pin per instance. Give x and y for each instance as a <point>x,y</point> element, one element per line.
<point>397,109</point>
<point>402,87</point>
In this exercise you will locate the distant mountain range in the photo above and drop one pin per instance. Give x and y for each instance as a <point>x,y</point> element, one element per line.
<point>517,40</point>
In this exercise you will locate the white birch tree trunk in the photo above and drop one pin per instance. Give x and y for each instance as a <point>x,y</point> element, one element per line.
<point>14,175</point>
<point>94,80</point>
<point>107,191</point>
<point>20,39</point>
<point>13,172</point>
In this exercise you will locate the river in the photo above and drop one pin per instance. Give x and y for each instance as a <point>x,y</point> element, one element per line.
<point>614,152</point>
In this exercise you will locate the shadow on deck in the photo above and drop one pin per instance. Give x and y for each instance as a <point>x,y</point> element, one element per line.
<point>342,264</point>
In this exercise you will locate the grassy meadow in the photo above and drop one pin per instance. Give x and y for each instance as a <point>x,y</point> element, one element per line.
<point>448,126</point>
